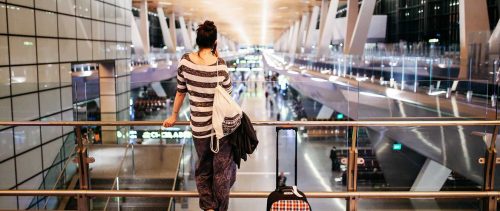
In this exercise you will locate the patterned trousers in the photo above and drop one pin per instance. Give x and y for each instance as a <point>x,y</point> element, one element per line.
<point>215,174</point>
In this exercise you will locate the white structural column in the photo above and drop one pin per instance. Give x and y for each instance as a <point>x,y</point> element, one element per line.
<point>351,17</point>
<point>293,44</point>
<point>326,34</point>
<point>431,177</point>
<point>136,36</point>
<point>191,34</point>
<point>185,34</point>
<point>158,88</point>
<point>494,41</point>
<point>282,41</point>
<point>360,33</point>
<point>313,21</point>
<point>288,39</point>
<point>167,39</point>
<point>173,31</point>
<point>325,4</point>
<point>279,43</point>
<point>302,32</point>
<point>473,18</point>
<point>286,43</point>
<point>232,46</point>
<point>325,112</point>
<point>144,24</point>
<point>220,42</point>
<point>225,43</point>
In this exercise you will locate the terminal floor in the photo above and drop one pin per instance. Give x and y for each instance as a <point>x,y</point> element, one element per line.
<point>314,168</point>
<point>314,174</point>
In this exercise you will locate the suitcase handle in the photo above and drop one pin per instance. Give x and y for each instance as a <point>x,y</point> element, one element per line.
<point>278,129</point>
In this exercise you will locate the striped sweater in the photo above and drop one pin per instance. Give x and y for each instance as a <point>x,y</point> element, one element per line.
<point>200,82</point>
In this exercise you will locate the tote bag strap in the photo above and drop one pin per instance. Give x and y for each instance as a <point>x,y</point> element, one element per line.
<point>215,150</point>
<point>217,70</point>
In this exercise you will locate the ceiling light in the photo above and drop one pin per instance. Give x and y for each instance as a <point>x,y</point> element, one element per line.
<point>283,8</point>
<point>165,3</point>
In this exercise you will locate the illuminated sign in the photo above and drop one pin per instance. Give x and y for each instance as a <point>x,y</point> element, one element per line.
<point>340,116</point>
<point>397,146</point>
<point>433,40</point>
<point>133,134</point>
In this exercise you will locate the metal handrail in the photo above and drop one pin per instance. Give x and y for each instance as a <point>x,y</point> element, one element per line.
<point>254,194</point>
<point>382,123</point>
<point>488,196</point>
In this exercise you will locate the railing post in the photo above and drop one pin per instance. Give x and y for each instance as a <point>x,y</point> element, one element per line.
<point>133,160</point>
<point>490,203</point>
<point>83,169</point>
<point>352,171</point>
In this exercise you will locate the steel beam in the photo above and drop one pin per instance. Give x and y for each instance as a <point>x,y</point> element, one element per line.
<point>326,32</point>
<point>360,33</point>
<point>185,35</point>
<point>173,31</point>
<point>302,32</point>
<point>313,21</point>
<point>293,42</point>
<point>351,18</point>
<point>144,26</point>
<point>167,38</point>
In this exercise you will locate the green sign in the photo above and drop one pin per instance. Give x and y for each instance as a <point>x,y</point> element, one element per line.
<point>397,146</point>
<point>340,116</point>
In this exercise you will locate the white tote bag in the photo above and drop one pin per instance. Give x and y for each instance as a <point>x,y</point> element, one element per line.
<point>226,114</point>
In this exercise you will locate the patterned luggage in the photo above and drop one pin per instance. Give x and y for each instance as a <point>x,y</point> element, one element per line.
<point>287,198</point>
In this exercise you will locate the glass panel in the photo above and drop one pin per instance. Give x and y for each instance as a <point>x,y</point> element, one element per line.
<point>46,50</point>
<point>419,204</point>
<point>46,5</point>
<point>66,6</point>
<point>23,79</point>
<point>3,19</point>
<point>60,174</point>
<point>48,76</point>
<point>22,50</point>
<point>105,169</point>
<point>21,20</point>
<point>6,144</point>
<point>4,56</point>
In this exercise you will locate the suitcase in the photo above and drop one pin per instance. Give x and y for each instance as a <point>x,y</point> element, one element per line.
<point>287,198</point>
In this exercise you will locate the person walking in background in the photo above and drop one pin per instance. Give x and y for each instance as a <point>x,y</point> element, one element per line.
<point>282,179</point>
<point>198,74</point>
<point>335,159</point>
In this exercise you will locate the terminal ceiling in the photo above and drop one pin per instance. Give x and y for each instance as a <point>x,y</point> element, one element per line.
<point>240,20</point>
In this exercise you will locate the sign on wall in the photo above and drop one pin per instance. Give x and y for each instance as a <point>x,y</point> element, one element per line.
<point>144,134</point>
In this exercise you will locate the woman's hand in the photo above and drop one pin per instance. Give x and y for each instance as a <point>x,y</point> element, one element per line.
<point>169,122</point>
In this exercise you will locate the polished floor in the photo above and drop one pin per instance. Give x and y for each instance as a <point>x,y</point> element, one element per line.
<point>314,174</point>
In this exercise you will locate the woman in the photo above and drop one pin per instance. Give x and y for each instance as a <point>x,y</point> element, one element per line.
<point>197,75</point>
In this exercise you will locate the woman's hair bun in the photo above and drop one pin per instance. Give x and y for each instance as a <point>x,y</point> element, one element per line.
<point>206,34</point>
<point>208,26</point>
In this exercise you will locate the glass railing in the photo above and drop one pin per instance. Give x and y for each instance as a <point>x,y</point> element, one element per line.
<point>367,160</point>
<point>58,176</point>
